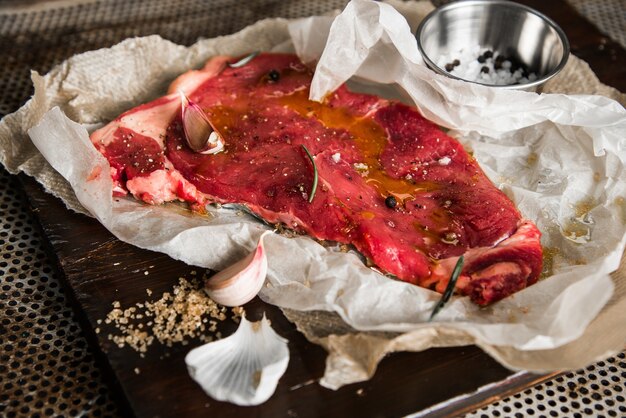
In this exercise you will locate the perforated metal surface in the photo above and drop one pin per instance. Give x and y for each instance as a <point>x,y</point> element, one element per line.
<point>46,366</point>
<point>596,391</point>
<point>36,37</point>
<point>608,15</point>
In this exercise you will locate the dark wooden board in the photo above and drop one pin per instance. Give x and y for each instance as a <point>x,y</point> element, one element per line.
<point>404,383</point>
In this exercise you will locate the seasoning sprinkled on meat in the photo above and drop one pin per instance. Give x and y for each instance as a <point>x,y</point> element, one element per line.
<point>368,154</point>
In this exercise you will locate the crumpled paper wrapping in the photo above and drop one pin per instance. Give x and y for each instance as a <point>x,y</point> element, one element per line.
<point>560,158</point>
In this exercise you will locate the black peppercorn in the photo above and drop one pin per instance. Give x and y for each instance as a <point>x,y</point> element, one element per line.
<point>488,54</point>
<point>274,75</point>
<point>450,66</point>
<point>484,69</point>
<point>515,64</point>
<point>391,202</point>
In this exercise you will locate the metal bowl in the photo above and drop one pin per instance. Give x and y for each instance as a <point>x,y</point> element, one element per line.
<point>511,29</point>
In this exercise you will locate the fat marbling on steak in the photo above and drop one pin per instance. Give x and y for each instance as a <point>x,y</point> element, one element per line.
<point>391,183</point>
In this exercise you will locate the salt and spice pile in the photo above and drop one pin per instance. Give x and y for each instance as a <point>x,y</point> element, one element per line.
<point>243,368</point>
<point>485,66</point>
<point>178,316</point>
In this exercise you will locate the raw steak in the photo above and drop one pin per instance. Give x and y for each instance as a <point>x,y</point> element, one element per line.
<point>391,183</point>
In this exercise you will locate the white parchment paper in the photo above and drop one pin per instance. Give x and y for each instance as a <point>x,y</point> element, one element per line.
<point>560,158</point>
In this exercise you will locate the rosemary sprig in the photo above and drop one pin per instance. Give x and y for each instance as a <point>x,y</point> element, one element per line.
<point>244,60</point>
<point>314,187</point>
<point>449,289</point>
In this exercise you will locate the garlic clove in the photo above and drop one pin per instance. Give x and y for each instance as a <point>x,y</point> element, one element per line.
<point>216,144</point>
<point>240,282</point>
<point>243,368</point>
<point>200,134</point>
<point>243,61</point>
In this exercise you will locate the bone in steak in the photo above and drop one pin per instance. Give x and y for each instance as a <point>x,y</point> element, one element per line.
<point>391,183</point>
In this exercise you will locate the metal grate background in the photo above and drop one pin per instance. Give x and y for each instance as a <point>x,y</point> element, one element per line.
<point>46,365</point>
<point>598,391</point>
<point>608,15</point>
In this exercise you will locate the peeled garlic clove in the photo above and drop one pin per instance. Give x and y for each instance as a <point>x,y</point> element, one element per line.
<point>200,134</point>
<point>244,368</point>
<point>240,282</point>
<point>216,144</point>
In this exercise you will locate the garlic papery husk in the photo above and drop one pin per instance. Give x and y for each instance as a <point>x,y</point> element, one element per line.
<point>200,134</point>
<point>243,61</point>
<point>240,283</point>
<point>244,368</point>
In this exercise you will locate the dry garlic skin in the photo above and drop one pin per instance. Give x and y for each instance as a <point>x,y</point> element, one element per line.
<point>243,368</point>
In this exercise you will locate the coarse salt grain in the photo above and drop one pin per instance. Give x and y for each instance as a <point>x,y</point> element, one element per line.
<point>485,66</point>
<point>174,318</point>
<point>444,161</point>
<point>361,168</point>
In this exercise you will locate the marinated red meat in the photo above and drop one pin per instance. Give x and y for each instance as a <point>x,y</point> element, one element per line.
<point>391,183</point>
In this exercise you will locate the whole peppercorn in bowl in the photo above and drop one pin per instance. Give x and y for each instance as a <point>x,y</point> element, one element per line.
<point>493,42</point>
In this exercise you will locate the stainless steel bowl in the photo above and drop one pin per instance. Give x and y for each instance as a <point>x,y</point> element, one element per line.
<point>511,29</point>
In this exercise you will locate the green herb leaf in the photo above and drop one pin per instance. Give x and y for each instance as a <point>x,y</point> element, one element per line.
<point>244,60</point>
<point>314,187</point>
<point>449,289</point>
